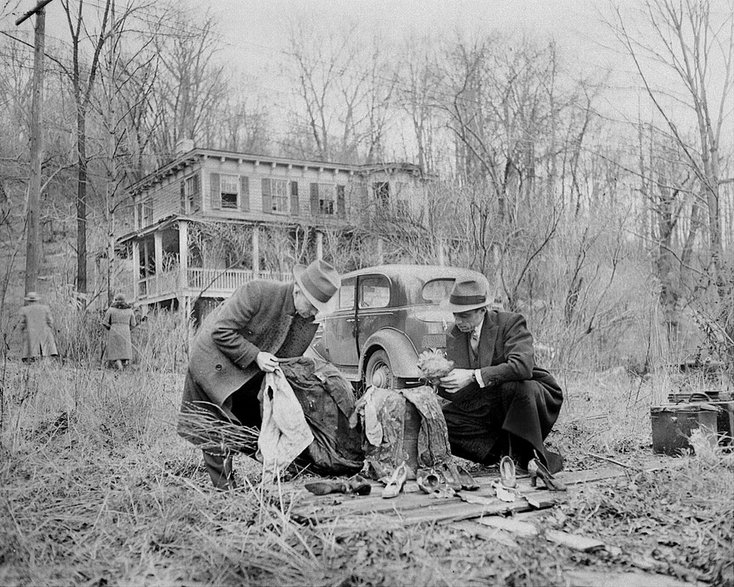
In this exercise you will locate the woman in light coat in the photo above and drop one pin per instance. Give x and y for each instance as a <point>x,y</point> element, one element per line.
<point>37,325</point>
<point>118,320</point>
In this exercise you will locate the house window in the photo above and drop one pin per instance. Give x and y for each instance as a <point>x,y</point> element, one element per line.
<point>324,198</point>
<point>381,190</point>
<point>327,198</point>
<point>280,194</point>
<point>229,187</point>
<point>190,191</point>
<point>145,213</point>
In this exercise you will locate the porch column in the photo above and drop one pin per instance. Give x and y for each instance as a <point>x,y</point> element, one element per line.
<point>319,245</point>
<point>183,258</point>
<point>136,270</point>
<point>158,246</point>
<point>441,252</point>
<point>379,251</point>
<point>256,249</point>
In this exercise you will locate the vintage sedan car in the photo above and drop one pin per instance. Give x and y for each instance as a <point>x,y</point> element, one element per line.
<point>383,317</point>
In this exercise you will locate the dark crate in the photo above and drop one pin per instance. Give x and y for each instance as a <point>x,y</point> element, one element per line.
<point>672,425</point>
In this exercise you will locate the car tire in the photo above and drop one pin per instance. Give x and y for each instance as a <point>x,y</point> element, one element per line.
<point>379,371</point>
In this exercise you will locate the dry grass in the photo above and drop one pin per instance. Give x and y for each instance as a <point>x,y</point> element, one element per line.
<point>97,489</point>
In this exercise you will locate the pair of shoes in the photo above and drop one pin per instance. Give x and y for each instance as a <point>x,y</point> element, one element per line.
<point>458,477</point>
<point>434,484</point>
<point>537,469</point>
<point>396,481</point>
<point>508,474</point>
<point>450,476</point>
<point>357,485</point>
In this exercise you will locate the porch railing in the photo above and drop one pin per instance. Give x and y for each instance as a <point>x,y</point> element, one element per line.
<point>229,279</point>
<point>215,282</point>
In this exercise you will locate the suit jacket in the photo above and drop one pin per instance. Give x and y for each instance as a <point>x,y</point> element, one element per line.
<point>258,317</point>
<point>505,352</point>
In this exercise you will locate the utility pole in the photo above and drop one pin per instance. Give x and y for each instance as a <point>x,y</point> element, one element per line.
<point>34,187</point>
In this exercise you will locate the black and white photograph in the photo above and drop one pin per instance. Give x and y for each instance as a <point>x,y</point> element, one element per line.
<point>354,293</point>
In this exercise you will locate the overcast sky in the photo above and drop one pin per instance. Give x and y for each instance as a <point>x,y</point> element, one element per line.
<point>257,27</point>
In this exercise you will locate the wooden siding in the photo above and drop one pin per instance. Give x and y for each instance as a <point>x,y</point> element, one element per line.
<point>166,195</point>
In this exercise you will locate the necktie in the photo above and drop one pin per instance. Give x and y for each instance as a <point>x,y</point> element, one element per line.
<point>474,340</point>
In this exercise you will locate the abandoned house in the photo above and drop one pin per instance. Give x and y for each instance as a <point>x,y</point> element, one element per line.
<point>212,220</point>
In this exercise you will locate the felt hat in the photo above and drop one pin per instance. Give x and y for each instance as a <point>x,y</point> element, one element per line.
<point>467,294</point>
<point>31,296</point>
<point>318,282</point>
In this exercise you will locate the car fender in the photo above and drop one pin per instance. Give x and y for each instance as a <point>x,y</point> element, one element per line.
<point>399,348</point>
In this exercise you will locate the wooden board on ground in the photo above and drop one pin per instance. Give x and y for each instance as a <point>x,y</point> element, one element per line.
<point>413,506</point>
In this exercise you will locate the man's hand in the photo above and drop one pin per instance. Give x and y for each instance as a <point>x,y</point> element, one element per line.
<point>457,379</point>
<point>266,361</point>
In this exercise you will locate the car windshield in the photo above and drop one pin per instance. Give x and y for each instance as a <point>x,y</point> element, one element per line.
<point>436,290</point>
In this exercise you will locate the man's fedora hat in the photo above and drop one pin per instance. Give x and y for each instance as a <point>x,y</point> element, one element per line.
<point>467,294</point>
<point>31,296</point>
<point>318,282</point>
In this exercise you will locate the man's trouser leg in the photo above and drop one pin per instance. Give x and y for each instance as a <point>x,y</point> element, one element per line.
<point>220,471</point>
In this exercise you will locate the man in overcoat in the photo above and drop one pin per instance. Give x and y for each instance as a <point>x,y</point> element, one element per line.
<point>37,325</point>
<point>502,404</point>
<point>242,340</point>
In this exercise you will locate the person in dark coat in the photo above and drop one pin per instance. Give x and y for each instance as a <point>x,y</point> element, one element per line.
<point>502,404</point>
<point>242,340</point>
<point>118,320</point>
<point>37,325</point>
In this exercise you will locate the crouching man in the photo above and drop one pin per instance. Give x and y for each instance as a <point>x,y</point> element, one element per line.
<point>240,342</point>
<point>501,403</point>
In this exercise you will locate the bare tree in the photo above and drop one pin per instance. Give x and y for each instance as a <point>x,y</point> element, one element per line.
<point>691,44</point>
<point>345,92</point>
<point>190,86</point>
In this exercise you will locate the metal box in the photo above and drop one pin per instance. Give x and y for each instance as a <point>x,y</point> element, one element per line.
<point>673,424</point>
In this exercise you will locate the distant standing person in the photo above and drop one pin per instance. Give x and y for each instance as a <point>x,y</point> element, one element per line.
<point>118,320</point>
<point>37,325</point>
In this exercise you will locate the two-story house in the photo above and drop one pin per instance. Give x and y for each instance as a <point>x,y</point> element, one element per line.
<point>179,257</point>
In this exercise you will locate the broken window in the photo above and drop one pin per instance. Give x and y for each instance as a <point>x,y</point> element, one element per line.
<point>229,186</point>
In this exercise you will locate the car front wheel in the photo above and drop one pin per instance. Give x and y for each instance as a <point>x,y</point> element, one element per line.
<point>379,372</point>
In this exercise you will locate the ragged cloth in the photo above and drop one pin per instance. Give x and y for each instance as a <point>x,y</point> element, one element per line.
<point>284,432</point>
<point>382,413</point>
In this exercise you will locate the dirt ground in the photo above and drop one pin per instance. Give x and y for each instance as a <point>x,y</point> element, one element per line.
<point>97,489</point>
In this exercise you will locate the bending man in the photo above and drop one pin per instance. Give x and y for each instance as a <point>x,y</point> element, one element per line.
<point>242,340</point>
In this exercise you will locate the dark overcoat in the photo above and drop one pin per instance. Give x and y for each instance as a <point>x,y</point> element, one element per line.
<point>260,316</point>
<point>519,397</point>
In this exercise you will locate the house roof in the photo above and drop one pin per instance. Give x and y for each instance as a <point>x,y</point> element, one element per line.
<point>190,157</point>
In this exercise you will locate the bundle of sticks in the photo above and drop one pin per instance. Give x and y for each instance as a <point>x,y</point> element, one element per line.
<point>201,426</point>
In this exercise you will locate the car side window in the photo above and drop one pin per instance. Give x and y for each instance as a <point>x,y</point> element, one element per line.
<point>374,291</point>
<point>346,294</point>
<point>437,290</point>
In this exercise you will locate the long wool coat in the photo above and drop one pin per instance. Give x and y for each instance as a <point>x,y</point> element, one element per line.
<point>518,397</point>
<point>119,321</point>
<point>258,317</point>
<point>38,336</point>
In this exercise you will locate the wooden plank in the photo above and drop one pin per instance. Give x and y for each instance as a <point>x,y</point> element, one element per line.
<point>476,530</point>
<point>574,541</point>
<point>583,578</point>
<point>413,505</point>
<point>510,525</point>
